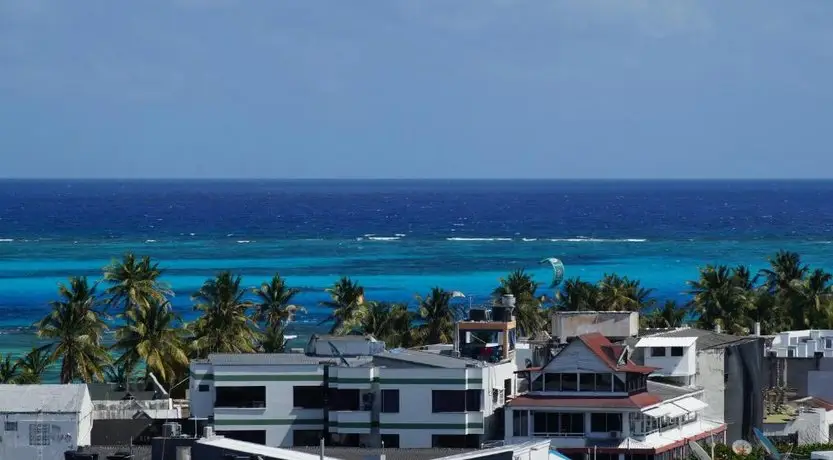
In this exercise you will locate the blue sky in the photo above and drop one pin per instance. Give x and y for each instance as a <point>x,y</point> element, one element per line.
<point>416,88</point>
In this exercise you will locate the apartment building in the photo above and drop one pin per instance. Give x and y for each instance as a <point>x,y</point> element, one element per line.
<point>592,400</point>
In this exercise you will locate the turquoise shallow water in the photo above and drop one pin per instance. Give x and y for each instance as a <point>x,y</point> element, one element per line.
<point>396,238</point>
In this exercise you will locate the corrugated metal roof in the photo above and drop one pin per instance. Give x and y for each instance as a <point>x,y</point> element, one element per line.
<point>277,359</point>
<point>243,447</point>
<point>428,359</point>
<point>42,398</point>
<point>663,341</point>
<point>362,453</point>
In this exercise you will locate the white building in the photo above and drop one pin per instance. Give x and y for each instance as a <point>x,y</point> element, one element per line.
<point>44,421</point>
<point>802,344</point>
<point>591,399</point>
<point>404,398</point>
<point>673,357</point>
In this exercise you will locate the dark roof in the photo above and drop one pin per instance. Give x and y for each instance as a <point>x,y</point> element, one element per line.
<point>425,358</point>
<point>139,452</point>
<point>635,401</point>
<point>114,392</point>
<point>360,453</point>
<point>610,353</point>
<point>123,431</point>
<point>666,391</point>
<point>273,359</point>
<point>705,339</point>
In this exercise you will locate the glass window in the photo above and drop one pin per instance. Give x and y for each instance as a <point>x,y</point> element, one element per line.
<point>604,382</point>
<point>390,401</point>
<point>552,382</point>
<point>537,383</point>
<point>240,396</point>
<point>520,423</point>
<point>676,351</point>
<point>203,387</point>
<point>605,422</point>
<point>569,382</point>
<point>390,440</point>
<point>39,434</point>
<point>587,382</point>
<point>11,426</point>
<point>618,384</point>
<point>657,351</point>
<point>308,397</point>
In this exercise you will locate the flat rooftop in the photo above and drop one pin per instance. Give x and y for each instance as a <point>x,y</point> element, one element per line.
<point>360,453</point>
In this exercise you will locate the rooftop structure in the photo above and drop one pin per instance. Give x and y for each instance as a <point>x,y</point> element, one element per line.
<point>808,343</point>
<point>488,335</point>
<point>43,421</point>
<point>404,398</point>
<point>616,325</point>
<point>592,395</point>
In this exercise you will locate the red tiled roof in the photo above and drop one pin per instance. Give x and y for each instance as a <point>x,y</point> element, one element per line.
<point>609,354</point>
<point>635,401</point>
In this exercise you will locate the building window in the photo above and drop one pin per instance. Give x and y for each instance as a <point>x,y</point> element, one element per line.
<point>676,351</point>
<point>587,382</point>
<point>39,434</point>
<point>537,383</point>
<point>520,423</point>
<point>605,422</point>
<point>390,403</point>
<point>657,351</point>
<point>390,440</point>
<point>604,382</point>
<point>791,353</point>
<point>618,384</point>
<point>456,441</point>
<point>636,382</point>
<point>308,397</point>
<point>828,343</point>
<point>546,424</point>
<point>455,400</point>
<point>344,400</point>
<point>552,382</point>
<point>302,438</point>
<point>569,382</point>
<point>10,426</point>
<point>240,397</point>
<point>202,388</point>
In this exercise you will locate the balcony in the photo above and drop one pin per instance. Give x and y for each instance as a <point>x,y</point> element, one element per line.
<point>444,422</point>
<point>350,421</point>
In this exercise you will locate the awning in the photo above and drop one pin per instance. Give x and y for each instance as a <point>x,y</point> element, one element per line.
<point>657,412</point>
<point>675,411</point>
<point>691,404</point>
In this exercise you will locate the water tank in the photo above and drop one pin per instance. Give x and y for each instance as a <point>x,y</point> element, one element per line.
<point>477,314</point>
<point>171,430</point>
<point>501,314</point>
<point>208,431</point>
<point>508,301</point>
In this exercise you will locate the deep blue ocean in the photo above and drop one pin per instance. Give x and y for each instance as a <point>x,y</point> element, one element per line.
<point>396,237</point>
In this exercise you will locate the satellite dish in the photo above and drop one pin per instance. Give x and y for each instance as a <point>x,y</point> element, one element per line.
<point>741,447</point>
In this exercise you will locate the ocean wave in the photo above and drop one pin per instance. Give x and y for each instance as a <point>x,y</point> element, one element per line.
<point>6,240</point>
<point>598,240</point>
<point>244,241</point>
<point>460,238</point>
<point>374,237</point>
<point>150,241</point>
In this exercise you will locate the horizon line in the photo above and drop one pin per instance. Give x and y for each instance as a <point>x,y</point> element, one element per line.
<point>413,179</point>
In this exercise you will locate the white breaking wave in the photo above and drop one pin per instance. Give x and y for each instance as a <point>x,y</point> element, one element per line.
<point>150,241</point>
<point>6,240</point>
<point>529,239</point>
<point>384,238</point>
<point>458,238</point>
<point>243,241</point>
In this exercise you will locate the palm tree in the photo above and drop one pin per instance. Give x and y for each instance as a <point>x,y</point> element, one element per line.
<point>9,369</point>
<point>152,336</point>
<point>615,294</point>
<point>121,373</point>
<point>273,340</point>
<point>720,299</point>
<point>670,315</point>
<point>135,283</point>
<point>76,328</point>
<point>34,365</point>
<point>274,303</point>
<point>578,295</point>
<point>347,303</point>
<point>785,268</point>
<point>224,325</point>
<point>529,316</point>
<point>811,303</point>
<point>388,322</point>
<point>439,316</point>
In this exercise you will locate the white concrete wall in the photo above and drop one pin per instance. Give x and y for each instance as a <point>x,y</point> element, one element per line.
<point>675,366</point>
<point>803,343</point>
<point>201,402</point>
<point>610,324</point>
<point>710,370</point>
<point>85,421</point>
<point>64,435</point>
